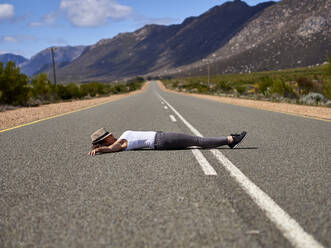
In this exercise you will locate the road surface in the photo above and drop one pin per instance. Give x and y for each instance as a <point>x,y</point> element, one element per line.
<point>273,191</point>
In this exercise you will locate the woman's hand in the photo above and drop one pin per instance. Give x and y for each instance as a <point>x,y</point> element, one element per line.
<point>93,152</point>
<point>116,147</point>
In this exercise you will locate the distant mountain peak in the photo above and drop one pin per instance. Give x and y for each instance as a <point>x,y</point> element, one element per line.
<point>18,59</point>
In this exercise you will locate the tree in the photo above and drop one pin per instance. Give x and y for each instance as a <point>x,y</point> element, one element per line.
<point>13,85</point>
<point>42,88</point>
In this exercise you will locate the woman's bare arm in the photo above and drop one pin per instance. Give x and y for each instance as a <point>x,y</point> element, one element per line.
<point>119,145</point>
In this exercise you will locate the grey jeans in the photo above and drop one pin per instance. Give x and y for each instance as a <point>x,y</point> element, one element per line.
<point>168,141</point>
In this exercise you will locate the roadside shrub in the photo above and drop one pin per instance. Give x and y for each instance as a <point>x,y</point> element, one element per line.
<point>134,85</point>
<point>202,88</point>
<point>305,85</point>
<point>73,90</point>
<point>313,98</point>
<point>240,89</point>
<point>118,88</point>
<point>282,89</point>
<point>41,87</point>
<point>13,85</point>
<point>224,86</point>
<point>88,90</point>
<point>328,67</point>
<point>327,89</point>
<point>175,84</point>
<point>264,84</point>
<point>62,92</point>
<point>92,89</point>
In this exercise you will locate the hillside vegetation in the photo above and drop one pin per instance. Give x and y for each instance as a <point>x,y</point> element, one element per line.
<point>310,85</point>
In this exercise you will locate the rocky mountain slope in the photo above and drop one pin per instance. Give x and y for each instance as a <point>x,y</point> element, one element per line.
<point>4,58</point>
<point>42,61</point>
<point>291,33</point>
<point>157,47</point>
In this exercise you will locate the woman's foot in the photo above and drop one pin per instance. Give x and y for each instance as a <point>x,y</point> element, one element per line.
<point>237,139</point>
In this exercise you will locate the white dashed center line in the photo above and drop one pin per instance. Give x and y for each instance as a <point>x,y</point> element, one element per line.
<point>172,118</point>
<point>165,107</point>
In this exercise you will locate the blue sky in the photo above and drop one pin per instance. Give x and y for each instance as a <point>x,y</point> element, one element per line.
<point>29,26</point>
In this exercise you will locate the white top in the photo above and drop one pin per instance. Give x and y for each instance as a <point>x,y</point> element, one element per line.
<point>139,139</point>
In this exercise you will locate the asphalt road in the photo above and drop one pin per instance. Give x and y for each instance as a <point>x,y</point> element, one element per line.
<point>52,194</point>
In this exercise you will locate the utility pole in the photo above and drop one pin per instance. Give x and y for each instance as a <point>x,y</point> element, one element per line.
<point>54,74</point>
<point>208,73</point>
<point>208,66</point>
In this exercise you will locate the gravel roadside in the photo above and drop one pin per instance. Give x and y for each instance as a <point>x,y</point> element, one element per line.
<point>322,113</point>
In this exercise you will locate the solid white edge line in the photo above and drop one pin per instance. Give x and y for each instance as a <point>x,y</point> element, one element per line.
<point>173,119</point>
<point>294,233</point>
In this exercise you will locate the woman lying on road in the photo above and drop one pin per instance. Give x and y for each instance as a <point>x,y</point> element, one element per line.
<point>103,141</point>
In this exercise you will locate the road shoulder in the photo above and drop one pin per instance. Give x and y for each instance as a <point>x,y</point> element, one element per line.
<point>315,112</point>
<point>27,115</point>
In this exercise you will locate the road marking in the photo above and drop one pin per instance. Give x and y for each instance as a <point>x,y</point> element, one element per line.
<point>172,118</point>
<point>291,230</point>
<point>165,107</point>
<point>204,164</point>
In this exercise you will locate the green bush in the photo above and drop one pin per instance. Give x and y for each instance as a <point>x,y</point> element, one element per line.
<point>13,85</point>
<point>119,88</point>
<point>62,92</point>
<point>88,90</point>
<point>73,90</point>
<point>42,88</point>
<point>92,89</point>
<point>283,89</point>
<point>264,84</point>
<point>328,67</point>
<point>327,89</point>
<point>240,89</point>
<point>305,85</point>
<point>224,86</point>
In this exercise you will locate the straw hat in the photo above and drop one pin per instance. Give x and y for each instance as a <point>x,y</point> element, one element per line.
<point>99,135</point>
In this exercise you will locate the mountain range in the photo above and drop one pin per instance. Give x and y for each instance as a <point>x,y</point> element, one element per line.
<point>42,61</point>
<point>288,34</point>
<point>4,58</point>
<point>159,47</point>
<point>233,37</point>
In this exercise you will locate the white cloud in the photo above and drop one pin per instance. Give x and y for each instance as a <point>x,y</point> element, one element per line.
<point>91,13</point>
<point>7,11</point>
<point>17,38</point>
<point>46,20</point>
<point>10,39</point>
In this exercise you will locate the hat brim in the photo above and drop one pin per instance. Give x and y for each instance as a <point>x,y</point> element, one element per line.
<point>101,138</point>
